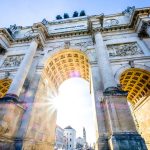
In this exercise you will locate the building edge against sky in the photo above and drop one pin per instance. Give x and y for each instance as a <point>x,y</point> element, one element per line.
<point>111,52</point>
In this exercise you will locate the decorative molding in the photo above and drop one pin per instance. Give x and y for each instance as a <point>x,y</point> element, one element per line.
<point>124,49</point>
<point>12,61</point>
<point>43,34</point>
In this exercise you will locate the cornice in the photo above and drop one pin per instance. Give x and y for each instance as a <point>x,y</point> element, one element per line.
<point>5,33</point>
<point>12,40</point>
<point>133,21</point>
<point>137,13</point>
<point>68,34</point>
<point>40,30</point>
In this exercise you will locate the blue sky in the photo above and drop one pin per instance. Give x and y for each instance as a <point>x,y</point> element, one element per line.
<point>27,12</point>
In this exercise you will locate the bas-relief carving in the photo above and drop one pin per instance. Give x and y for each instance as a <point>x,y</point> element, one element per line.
<point>85,46</point>
<point>111,22</point>
<point>124,49</point>
<point>12,61</point>
<point>68,44</point>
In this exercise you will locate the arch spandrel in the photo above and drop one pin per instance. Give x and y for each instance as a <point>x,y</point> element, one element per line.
<point>137,82</point>
<point>66,64</point>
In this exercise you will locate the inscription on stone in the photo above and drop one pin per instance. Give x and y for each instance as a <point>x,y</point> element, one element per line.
<point>12,61</point>
<point>124,49</point>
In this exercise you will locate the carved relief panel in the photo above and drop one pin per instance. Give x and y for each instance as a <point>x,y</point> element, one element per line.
<point>12,61</point>
<point>124,49</point>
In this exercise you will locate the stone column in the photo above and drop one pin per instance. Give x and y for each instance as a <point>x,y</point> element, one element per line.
<point>23,70</point>
<point>119,126</point>
<point>104,64</point>
<point>12,112</point>
<point>98,109</point>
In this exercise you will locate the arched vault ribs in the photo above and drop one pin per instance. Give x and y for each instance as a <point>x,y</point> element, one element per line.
<point>64,65</point>
<point>137,83</point>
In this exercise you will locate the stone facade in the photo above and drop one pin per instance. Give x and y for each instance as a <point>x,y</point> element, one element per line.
<point>97,48</point>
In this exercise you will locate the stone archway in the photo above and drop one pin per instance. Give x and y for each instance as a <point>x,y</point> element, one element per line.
<point>137,82</point>
<point>66,64</point>
<point>59,67</point>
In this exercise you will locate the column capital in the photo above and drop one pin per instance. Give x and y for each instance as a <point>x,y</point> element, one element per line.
<point>95,32</point>
<point>38,40</point>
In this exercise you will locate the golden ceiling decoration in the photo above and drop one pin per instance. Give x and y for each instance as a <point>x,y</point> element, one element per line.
<point>4,86</point>
<point>137,83</point>
<point>66,64</point>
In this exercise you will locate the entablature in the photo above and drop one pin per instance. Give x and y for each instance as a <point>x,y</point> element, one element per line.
<point>72,27</point>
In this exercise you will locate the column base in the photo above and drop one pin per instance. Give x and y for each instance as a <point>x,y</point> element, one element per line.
<point>126,141</point>
<point>19,144</point>
<point>7,146</point>
<point>13,144</point>
<point>114,91</point>
<point>11,112</point>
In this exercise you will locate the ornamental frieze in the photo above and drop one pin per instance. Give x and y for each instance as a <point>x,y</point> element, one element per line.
<point>12,61</point>
<point>110,22</point>
<point>124,49</point>
<point>69,44</point>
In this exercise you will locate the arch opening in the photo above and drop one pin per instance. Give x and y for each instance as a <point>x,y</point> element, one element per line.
<point>68,74</point>
<point>137,82</point>
<point>64,65</point>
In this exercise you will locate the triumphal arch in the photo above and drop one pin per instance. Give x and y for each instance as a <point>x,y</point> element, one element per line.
<point>111,52</point>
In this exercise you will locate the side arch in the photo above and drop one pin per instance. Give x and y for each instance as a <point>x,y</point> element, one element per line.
<point>4,86</point>
<point>127,66</point>
<point>137,82</point>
